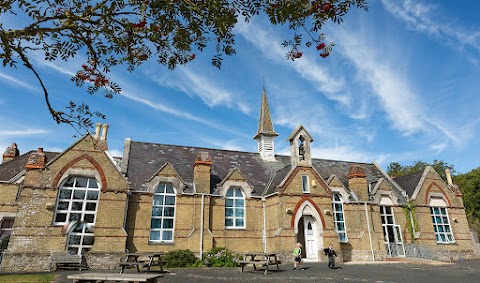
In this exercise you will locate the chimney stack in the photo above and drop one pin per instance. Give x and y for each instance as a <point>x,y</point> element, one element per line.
<point>36,160</point>
<point>357,182</point>
<point>10,153</point>
<point>101,140</point>
<point>201,173</point>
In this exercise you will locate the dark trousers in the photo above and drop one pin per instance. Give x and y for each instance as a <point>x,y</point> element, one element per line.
<point>331,261</point>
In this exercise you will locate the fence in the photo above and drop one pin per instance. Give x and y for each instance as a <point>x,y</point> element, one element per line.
<point>428,252</point>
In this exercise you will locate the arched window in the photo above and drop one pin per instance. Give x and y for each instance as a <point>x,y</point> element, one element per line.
<point>441,223</point>
<point>234,208</point>
<point>77,207</point>
<point>338,218</point>
<point>163,214</point>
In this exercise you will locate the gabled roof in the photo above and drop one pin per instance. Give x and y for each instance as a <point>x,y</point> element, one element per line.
<point>264,176</point>
<point>12,168</point>
<point>409,182</point>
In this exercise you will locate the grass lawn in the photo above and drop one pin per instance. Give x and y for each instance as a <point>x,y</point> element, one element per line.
<point>27,278</point>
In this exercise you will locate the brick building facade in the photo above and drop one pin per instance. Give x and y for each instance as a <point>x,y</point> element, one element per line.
<point>161,197</point>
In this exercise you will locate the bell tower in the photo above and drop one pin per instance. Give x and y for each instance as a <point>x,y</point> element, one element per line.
<point>265,134</point>
<point>300,141</point>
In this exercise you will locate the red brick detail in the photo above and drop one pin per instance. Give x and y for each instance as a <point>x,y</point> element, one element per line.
<point>72,163</point>
<point>297,207</point>
<point>438,187</point>
<point>356,172</point>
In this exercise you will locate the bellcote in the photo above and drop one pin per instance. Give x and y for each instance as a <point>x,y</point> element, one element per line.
<point>300,141</point>
<point>265,134</point>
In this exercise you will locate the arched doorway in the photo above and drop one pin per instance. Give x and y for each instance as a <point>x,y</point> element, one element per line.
<point>309,231</point>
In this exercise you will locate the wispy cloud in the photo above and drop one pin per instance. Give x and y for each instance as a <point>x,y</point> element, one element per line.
<point>268,44</point>
<point>422,17</point>
<point>23,132</point>
<point>195,83</point>
<point>19,83</point>
<point>180,113</point>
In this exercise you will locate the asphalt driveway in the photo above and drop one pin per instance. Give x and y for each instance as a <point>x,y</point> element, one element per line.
<point>432,272</point>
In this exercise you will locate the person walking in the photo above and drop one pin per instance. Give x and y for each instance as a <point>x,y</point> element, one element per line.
<point>331,254</point>
<point>297,253</point>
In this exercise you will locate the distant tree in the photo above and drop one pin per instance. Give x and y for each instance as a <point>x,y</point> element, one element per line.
<point>112,33</point>
<point>397,170</point>
<point>469,184</point>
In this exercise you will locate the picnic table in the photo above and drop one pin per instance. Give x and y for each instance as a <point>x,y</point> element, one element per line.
<point>138,260</point>
<point>262,259</point>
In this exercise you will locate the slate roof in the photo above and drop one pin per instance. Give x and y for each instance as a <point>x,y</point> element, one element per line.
<point>409,182</point>
<point>146,158</point>
<point>12,168</point>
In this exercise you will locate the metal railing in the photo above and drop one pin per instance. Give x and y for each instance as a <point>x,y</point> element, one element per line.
<point>428,252</point>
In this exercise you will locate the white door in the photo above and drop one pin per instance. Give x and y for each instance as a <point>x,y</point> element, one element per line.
<point>310,237</point>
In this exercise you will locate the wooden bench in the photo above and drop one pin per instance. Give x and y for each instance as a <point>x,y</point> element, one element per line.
<point>122,277</point>
<point>63,260</point>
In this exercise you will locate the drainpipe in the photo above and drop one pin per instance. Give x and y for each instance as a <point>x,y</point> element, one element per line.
<point>125,217</point>
<point>264,225</point>
<point>369,232</point>
<point>202,212</point>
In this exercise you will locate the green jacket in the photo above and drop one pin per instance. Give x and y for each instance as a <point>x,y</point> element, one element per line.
<point>297,251</point>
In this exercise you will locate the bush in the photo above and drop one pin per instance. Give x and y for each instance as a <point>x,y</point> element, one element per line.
<point>180,258</point>
<point>220,257</point>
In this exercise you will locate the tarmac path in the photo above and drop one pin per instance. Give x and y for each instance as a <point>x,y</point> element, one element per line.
<point>459,272</point>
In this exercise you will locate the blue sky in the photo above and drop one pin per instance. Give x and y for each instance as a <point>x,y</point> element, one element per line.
<point>402,84</point>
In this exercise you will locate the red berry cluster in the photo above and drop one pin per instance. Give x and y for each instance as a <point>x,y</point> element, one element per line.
<point>192,56</point>
<point>139,24</point>
<point>90,75</point>
<point>327,7</point>
<point>324,54</point>
<point>297,54</point>
<point>321,46</point>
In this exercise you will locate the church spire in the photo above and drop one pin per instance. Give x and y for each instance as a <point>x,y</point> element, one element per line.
<point>265,133</point>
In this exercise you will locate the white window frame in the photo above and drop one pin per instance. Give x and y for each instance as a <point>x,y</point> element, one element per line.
<point>235,208</point>
<point>305,184</point>
<point>79,205</point>
<point>337,222</point>
<point>160,206</point>
<point>441,223</point>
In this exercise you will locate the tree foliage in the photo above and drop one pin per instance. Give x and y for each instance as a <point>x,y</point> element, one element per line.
<point>113,33</point>
<point>469,184</point>
<point>396,169</point>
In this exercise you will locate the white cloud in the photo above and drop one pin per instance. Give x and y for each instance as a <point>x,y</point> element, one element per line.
<point>271,48</point>
<point>19,83</point>
<point>163,107</point>
<point>422,17</point>
<point>23,132</point>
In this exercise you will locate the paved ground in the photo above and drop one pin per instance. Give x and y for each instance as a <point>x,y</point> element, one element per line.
<point>432,272</point>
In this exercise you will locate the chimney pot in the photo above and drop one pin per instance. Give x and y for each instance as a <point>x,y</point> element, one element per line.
<point>449,177</point>
<point>104,132</point>
<point>40,150</point>
<point>97,130</point>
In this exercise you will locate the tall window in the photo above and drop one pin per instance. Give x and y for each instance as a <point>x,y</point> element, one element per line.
<point>163,214</point>
<point>77,205</point>
<point>234,209</point>
<point>6,227</point>
<point>441,225</point>
<point>305,185</point>
<point>338,218</point>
